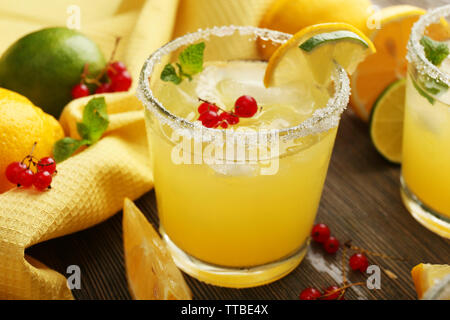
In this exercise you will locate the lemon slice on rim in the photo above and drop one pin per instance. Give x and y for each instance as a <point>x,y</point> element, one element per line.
<point>310,55</point>
<point>386,121</point>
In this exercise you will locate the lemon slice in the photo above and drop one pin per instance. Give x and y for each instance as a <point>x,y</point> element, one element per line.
<point>386,121</point>
<point>310,55</point>
<point>151,272</point>
<point>432,281</point>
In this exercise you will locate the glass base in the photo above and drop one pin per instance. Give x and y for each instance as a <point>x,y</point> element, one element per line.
<point>428,217</point>
<point>233,277</point>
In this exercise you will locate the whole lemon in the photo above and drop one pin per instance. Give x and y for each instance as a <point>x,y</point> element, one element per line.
<point>21,125</point>
<point>46,64</point>
<point>291,16</point>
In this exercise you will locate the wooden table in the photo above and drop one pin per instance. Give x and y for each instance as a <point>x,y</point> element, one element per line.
<point>360,201</point>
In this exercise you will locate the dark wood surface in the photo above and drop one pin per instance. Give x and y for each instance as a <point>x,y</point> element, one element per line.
<point>360,201</point>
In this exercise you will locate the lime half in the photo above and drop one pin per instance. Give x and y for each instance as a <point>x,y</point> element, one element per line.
<point>386,121</point>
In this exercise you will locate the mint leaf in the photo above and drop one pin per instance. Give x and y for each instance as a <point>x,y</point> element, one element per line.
<point>169,74</point>
<point>435,51</point>
<point>95,120</point>
<point>65,147</point>
<point>427,86</point>
<point>94,124</point>
<point>423,92</point>
<point>191,58</point>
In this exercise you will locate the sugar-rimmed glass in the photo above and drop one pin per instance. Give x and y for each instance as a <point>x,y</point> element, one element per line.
<point>425,179</point>
<point>236,223</point>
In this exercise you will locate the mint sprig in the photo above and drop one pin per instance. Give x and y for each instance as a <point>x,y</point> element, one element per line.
<point>435,51</point>
<point>94,123</point>
<point>190,63</point>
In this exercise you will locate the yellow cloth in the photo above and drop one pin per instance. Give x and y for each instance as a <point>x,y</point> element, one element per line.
<point>91,185</point>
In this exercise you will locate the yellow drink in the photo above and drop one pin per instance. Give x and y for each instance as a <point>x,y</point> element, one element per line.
<point>426,134</point>
<point>240,221</point>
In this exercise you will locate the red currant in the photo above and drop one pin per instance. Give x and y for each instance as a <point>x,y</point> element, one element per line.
<point>42,180</point>
<point>115,68</point>
<point>103,88</point>
<point>245,107</point>
<point>47,164</point>
<point>331,245</point>
<point>224,125</point>
<point>25,178</point>
<point>231,119</point>
<point>359,261</point>
<point>320,233</point>
<point>121,81</point>
<point>310,294</point>
<point>333,293</point>
<point>205,106</point>
<point>209,119</point>
<point>80,90</point>
<point>13,170</point>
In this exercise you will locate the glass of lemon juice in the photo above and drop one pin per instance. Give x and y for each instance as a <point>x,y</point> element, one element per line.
<point>425,180</point>
<point>237,204</point>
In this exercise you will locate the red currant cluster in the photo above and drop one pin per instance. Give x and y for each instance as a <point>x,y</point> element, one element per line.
<point>21,174</point>
<point>212,116</point>
<point>358,262</point>
<point>118,79</point>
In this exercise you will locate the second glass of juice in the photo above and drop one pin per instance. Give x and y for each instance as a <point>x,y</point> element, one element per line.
<point>426,136</point>
<point>236,205</point>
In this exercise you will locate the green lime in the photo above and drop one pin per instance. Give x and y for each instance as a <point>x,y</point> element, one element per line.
<point>46,64</point>
<point>386,121</point>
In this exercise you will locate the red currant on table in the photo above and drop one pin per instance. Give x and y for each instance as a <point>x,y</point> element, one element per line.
<point>47,164</point>
<point>331,245</point>
<point>13,170</point>
<point>310,294</point>
<point>359,261</point>
<point>245,107</point>
<point>320,233</point>
<point>121,81</point>
<point>80,90</point>
<point>25,178</point>
<point>333,293</point>
<point>209,119</point>
<point>205,106</point>
<point>103,88</point>
<point>42,180</point>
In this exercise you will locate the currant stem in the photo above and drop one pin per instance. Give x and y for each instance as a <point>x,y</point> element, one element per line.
<point>343,288</point>
<point>349,245</point>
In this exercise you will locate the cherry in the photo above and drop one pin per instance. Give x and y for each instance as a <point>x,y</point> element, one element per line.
<point>12,171</point>
<point>245,107</point>
<point>310,294</point>
<point>359,261</point>
<point>333,293</point>
<point>209,119</point>
<point>47,164</point>
<point>103,88</point>
<point>331,245</point>
<point>42,180</point>
<point>205,106</point>
<point>121,81</point>
<point>115,68</point>
<point>25,178</point>
<point>320,233</point>
<point>80,90</point>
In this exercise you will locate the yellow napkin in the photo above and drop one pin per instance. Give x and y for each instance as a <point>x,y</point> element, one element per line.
<point>91,185</point>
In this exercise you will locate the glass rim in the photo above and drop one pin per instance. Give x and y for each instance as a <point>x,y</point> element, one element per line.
<point>416,52</point>
<point>322,119</point>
